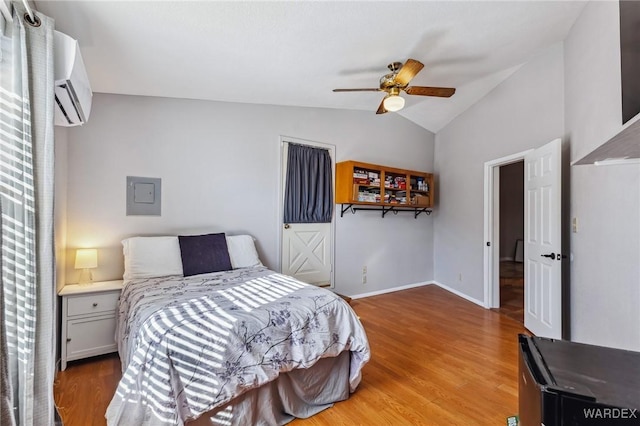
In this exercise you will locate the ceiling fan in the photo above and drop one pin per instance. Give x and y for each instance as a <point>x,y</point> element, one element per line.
<point>398,80</point>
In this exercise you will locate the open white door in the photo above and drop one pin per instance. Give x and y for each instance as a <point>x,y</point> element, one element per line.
<point>543,260</point>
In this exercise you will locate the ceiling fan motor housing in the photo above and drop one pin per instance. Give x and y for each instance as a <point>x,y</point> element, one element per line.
<point>388,81</point>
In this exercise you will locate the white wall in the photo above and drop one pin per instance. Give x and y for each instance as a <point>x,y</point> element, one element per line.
<point>605,272</point>
<point>525,111</point>
<point>219,164</point>
<point>60,204</point>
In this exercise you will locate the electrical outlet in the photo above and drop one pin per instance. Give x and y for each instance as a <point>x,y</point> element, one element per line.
<point>364,270</point>
<point>574,225</point>
<point>364,279</point>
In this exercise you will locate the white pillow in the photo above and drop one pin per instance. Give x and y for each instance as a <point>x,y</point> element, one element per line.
<point>242,251</point>
<point>148,257</point>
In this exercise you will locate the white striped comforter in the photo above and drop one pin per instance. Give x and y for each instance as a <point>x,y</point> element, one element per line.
<point>190,344</point>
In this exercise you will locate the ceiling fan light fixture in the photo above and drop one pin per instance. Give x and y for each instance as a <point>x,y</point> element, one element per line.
<point>393,103</point>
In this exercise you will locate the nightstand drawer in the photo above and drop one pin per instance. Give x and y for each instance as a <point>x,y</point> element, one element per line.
<point>92,303</point>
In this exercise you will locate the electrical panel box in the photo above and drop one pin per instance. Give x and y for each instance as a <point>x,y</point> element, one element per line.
<point>143,196</point>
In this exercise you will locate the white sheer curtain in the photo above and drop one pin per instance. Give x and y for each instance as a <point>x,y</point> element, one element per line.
<point>26,195</point>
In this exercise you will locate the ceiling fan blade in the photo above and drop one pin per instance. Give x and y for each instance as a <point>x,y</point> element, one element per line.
<point>381,109</point>
<point>442,92</point>
<point>408,71</point>
<point>356,90</point>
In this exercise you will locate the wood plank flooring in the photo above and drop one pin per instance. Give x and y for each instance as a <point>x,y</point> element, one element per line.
<point>512,290</point>
<point>437,359</point>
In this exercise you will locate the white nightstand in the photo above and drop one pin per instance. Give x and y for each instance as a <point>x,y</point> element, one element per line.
<point>88,320</point>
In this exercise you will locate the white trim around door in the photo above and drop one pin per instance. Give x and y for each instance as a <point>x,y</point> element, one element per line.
<point>492,226</point>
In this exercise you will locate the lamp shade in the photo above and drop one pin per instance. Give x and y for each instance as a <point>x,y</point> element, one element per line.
<point>86,258</point>
<point>393,103</point>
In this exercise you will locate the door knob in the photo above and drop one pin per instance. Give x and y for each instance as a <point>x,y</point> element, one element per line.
<point>551,256</point>
<point>287,226</point>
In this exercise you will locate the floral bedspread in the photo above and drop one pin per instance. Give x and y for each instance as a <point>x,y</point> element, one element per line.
<point>190,344</point>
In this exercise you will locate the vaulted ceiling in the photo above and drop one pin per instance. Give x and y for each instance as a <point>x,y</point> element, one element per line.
<point>295,53</point>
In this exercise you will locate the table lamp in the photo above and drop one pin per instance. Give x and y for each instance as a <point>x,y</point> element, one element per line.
<point>86,259</point>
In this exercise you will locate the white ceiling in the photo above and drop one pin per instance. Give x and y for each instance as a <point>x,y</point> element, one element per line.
<point>295,53</point>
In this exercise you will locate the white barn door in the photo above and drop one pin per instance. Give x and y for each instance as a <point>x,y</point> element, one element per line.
<point>543,260</point>
<point>306,252</point>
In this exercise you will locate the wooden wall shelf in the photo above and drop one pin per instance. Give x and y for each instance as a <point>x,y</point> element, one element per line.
<point>380,188</point>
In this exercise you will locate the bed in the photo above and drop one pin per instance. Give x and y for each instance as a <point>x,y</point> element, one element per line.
<point>244,345</point>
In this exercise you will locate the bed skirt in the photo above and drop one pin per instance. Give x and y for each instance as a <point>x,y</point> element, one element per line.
<point>296,394</point>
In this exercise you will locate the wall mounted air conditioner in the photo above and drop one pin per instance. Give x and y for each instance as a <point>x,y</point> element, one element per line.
<point>72,89</point>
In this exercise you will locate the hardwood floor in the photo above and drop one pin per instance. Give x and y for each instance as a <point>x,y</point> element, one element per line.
<point>83,391</point>
<point>512,290</point>
<point>436,359</point>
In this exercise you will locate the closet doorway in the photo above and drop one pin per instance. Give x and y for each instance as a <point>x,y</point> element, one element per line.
<point>504,235</point>
<point>511,241</point>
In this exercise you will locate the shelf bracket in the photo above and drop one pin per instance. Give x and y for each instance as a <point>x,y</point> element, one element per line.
<point>344,209</point>
<point>424,210</point>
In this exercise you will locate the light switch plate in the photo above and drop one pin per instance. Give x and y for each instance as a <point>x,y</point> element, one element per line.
<point>143,196</point>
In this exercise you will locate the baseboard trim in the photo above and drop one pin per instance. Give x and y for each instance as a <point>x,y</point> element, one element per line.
<point>459,293</point>
<point>390,290</point>
<point>408,286</point>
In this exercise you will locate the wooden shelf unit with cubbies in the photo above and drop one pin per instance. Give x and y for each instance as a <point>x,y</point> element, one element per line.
<point>387,189</point>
